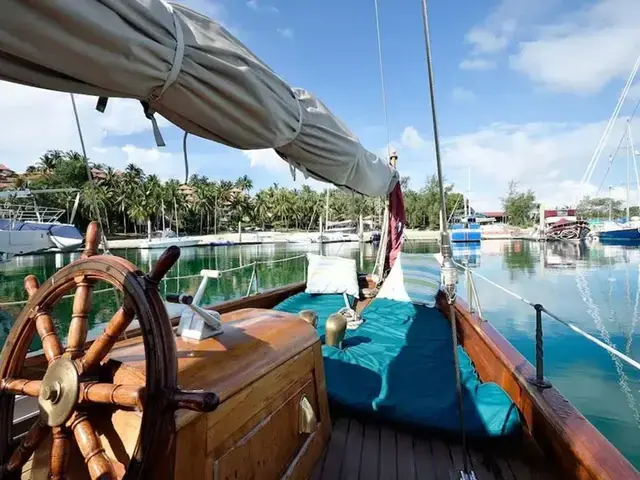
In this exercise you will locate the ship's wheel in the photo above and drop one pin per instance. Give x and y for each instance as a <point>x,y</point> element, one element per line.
<point>77,388</point>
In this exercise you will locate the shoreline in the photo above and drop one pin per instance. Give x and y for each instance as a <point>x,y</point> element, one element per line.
<point>253,238</point>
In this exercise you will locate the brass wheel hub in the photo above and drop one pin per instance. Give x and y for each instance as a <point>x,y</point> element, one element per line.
<point>59,392</point>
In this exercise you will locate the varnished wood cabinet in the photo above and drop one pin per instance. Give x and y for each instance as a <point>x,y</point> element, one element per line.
<point>275,421</point>
<point>273,418</point>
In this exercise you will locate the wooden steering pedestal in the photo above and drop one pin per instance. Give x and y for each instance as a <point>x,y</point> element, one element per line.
<point>77,390</point>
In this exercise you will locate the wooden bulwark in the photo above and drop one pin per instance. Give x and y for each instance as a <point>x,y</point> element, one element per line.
<point>566,437</point>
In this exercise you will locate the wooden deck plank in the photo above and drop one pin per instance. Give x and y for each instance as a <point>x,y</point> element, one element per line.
<point>457,457</point>
<point>335,450</point>
<point>441,459</point>
<point>423,459</point>
<point>353,452</point>
<point>366,451</point>
<point>482,470</point>
<point>369,466</point>
<point>505,471</point>
<point>406,457</point>
<point>388,454</point>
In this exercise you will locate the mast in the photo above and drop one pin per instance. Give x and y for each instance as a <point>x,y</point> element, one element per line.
<point>448,271</point>
<point>635,163</point>
<point>468,203</point>
<point>628,162</point>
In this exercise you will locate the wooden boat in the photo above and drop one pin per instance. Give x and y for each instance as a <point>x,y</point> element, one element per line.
<point>250,403</point>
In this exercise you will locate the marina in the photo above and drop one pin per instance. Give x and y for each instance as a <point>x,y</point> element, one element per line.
<point>595,286</point>
<point>377,329</point>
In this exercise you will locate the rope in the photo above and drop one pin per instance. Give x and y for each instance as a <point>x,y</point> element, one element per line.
<point>186,157</point>
<point>384,94</point>
<point>105,245</point>
<point>570,325</point>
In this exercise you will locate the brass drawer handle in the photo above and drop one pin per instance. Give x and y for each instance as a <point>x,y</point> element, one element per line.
<point>308,422</point>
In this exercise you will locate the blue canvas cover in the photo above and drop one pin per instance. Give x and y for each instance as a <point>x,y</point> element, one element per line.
<point>398,367</point>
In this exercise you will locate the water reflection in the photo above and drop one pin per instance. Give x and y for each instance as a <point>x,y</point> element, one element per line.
<point>594,286</point>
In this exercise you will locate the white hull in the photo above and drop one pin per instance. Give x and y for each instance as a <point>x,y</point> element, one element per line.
<point>168,242</point>
<point>65,243</point>
<point>336,237</point>
<point>23,242</point>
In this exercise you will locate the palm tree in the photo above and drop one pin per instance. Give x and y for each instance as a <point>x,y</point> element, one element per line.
<point>50,160</point>
<point>244,183</point>
<point>173,197</point>
<point>122,199</point>
<point>262,208</point>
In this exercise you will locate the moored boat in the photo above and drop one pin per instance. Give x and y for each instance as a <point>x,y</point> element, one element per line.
<point>467,230</point>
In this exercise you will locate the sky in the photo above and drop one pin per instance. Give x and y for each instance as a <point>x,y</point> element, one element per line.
<point>524,90</point>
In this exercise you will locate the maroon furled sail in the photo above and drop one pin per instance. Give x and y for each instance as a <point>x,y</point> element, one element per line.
<point>397,222</point>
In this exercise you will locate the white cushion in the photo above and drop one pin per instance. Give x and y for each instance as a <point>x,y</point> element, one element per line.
<point>332,275</point>
<point>413,278</point>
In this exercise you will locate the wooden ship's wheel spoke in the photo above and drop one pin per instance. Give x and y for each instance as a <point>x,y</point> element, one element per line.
<point>73,387</point>
<point>20,386</point>
<point>107,339</point>
<point>44,324</point>
<point>125,396</point>
<point>60,451</point>
<point>30,442</point>
<point>97,461</point>
<point>79,325</point>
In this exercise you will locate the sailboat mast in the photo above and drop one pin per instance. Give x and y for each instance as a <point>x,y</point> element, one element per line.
<point>445,244</point>
<point>468,212</point>
<point>448,271</point>
<point>635,163</point>
<point>628,162</point>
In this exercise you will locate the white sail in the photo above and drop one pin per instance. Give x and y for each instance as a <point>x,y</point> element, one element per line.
<point>189,69</point>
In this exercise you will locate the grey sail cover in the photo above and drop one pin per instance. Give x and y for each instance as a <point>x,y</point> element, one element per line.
<point>190,70</point>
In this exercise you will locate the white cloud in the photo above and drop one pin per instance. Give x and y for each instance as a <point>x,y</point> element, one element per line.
<point>257,7</point>
<point>411,139</point>
<point>634,92</point>
<point>585,52</point>
<point>286,32</point>
<point>477,64</point>
<point>494,35</point>
<point>486,41</point>
<point>549,158</point>
<point>463,94</point>
<point>34,121</point>
<point>269,160</point>
<point>266,158</point>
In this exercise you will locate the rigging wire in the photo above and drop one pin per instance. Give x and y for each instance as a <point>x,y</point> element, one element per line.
<point>586,178</point>
<point>384,92</point>
<point>615,152</point>
<point>105,246</point>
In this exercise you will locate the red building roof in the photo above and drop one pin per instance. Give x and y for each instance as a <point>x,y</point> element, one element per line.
<point>493,214</point>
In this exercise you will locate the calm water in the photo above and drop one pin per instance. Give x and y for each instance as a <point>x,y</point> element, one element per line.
<point>596,287</point>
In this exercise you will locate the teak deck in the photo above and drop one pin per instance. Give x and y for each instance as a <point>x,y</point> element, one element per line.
<point>368,451</point>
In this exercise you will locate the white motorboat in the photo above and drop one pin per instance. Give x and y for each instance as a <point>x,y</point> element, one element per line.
<point>28,229</point>
<point>167,238</point>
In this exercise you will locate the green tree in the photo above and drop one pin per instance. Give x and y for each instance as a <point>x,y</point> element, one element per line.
<point>519,206</point>
<point>600,207</point>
